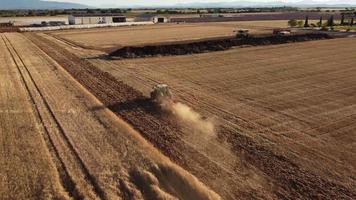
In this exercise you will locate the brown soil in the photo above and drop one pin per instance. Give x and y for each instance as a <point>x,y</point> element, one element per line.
<point>260,16</point>
<point>112,38</point>
<point>59,142</point>
<point>8,29</point>
<point>295,100</point>
<point>210,45</point>
<point>290,180</point>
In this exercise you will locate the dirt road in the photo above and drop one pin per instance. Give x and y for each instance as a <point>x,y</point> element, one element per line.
<point>78,148</point>
<point>252,158</point>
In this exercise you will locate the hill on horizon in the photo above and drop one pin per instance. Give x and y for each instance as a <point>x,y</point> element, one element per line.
<point>43,4</point>
<point>38,4</point>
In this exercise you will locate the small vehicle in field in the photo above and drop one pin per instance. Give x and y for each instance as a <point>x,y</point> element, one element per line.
<point>324,28</point>
<point>242,33</point>
<point>282,32</point>
<point>161,93</point>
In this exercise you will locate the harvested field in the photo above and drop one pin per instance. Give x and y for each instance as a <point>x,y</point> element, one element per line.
<point>66,144</point>
<point>165,133</point>
<point>183,48</point>
<point>35,174</point>
<point>283,117</point>
<point>259,16</point>
<point>287,109</point>
<point>108,38</point>
<point>264,122</point>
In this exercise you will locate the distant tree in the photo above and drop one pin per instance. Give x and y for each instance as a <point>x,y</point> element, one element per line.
<point>352,22</point>
<point>292,23</point>
<point>306,23</point>
<point>90,11</point>
<point>115,11</point>
<point>342,19</point>
<point>31,13</point>
<point>331,21</point>
<point>320,23</point>
<point>53,12</point>
<point>300,23</point>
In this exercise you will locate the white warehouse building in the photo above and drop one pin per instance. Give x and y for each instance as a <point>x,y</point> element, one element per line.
<point>155,18</point>
<point>76,19</point>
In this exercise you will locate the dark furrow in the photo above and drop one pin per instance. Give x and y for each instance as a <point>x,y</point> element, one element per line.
<point>294,181</point>
<point>210,45</point>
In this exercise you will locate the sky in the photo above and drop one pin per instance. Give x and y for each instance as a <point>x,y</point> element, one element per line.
<point>172,2</point>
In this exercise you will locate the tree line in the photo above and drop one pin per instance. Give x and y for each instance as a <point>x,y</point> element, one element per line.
<point>330,22</point>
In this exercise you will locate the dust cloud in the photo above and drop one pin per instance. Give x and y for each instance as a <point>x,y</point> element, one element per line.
<point>193,119</point>
<point>167,181</point>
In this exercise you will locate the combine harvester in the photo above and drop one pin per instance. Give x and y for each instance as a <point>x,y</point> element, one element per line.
<point>242,33</point>
<point>162,98</point>
<point>161,94</point>
<point>282,32</point>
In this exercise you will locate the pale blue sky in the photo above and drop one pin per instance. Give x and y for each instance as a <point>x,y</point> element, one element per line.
<point>172,2</point>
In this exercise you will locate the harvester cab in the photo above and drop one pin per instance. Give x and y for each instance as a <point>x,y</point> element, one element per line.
<point>161,93</point>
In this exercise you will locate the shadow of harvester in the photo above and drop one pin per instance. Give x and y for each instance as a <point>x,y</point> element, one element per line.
<point>141,105</point>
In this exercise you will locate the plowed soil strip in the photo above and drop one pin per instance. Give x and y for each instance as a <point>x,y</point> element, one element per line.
<point>67,182</point>
<point>294,181</point>
<point>182,48</point>
<point>130,104</point>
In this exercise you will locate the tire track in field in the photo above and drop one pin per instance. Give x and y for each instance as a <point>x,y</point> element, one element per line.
<point>66,180</point>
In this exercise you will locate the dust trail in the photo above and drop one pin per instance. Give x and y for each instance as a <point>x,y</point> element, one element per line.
<point>166,181</point>
<point>193,119</point>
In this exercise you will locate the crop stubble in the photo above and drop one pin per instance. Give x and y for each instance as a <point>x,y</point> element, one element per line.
<point>296,100</point>
<point>108,38</point>
<point>290,178</point>
<point>96,155</point>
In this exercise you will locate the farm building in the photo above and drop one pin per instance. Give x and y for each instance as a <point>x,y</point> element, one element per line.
<point>152,17</point>
<point>95,18</point>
